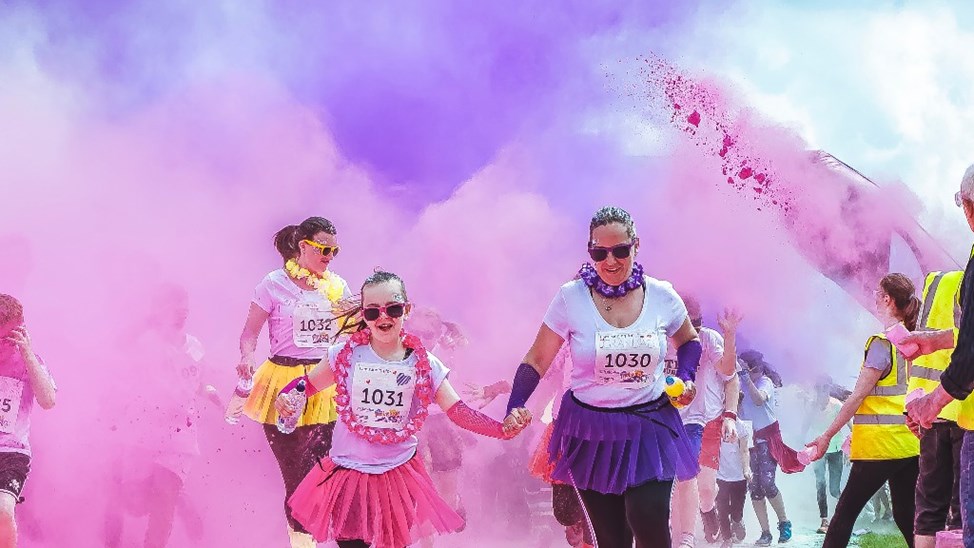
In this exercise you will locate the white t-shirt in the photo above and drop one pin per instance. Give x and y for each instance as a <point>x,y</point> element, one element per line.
<point>731,466</point>
<point>760,415</point>
<point>641,346</point>
<point>279,296</point>
<point>351,451</point>
<point>709,402</point>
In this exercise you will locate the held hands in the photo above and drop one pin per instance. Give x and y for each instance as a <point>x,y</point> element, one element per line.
<point>518,420</point>
<point>821,445</point>
<point>748,475</point>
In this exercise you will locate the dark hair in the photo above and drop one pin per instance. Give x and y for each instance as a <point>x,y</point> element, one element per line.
<point>381,276</point>
<point>753,359</point>
<point>10,309</point>
<point>286,240</point>
<point>903,292</point>
<point>350,320</point>
<point>608,215</point>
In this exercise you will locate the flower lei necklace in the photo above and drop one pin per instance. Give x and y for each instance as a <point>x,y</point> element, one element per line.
<point>424,389</point>
<point>592,279</point>
<point>329,284</point>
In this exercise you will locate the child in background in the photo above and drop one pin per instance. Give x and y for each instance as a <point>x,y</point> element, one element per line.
<point>24,379</point>
<point>733,475</point>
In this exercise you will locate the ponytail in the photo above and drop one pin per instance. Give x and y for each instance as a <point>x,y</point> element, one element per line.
<point>911,314</point>
<point>286,242</point>
<point>903,293</point>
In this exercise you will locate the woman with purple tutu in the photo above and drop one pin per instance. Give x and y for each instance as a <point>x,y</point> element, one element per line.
<point>617,438</point>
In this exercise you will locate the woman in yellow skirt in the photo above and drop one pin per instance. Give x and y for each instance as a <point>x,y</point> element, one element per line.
<point>300,304</point>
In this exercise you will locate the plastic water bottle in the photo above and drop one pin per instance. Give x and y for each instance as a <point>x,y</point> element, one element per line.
<point>238,399</point>
<point>297,398</point>
<point>674,389</point>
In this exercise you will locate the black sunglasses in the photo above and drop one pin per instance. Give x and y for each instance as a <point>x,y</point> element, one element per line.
<point>372,313</point>
<point>621,251</point>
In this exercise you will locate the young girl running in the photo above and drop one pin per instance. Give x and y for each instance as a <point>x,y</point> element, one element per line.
<point>372,490</point>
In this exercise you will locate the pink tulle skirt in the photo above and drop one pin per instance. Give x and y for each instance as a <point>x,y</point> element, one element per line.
<point>385,510</point>
<point>539,466</point>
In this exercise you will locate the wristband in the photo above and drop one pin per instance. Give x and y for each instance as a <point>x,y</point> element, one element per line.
<point>729,415</point>
<point>525,381</point>
<point>309,389</point>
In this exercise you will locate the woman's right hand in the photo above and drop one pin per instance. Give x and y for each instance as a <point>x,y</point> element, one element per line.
<point>245,369</point>
<point>821,445</point>
<point>284,407</point>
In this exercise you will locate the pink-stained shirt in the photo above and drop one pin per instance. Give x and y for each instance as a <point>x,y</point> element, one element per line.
<point>16,403</point>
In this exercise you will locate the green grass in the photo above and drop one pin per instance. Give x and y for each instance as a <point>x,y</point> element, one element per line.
<point>873,540</point>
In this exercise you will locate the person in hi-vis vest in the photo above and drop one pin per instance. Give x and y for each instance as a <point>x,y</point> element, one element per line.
<point>957,380</point>
<point>883,448</point>
<point>938,489</point>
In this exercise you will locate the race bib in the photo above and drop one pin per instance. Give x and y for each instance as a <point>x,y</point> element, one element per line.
<point>315,326</point>
<point>382,394</point>
<point>626,358</point>
<point>11,391</point>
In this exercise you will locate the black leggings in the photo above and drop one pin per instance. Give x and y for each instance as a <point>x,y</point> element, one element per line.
<point>730,505</point>
<point>828,468</point>
<point>641,512</point>
<point>296,454</point>
<point>865,479</point>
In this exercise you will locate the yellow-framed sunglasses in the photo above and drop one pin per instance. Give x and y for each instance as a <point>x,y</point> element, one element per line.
<point>324,249</point>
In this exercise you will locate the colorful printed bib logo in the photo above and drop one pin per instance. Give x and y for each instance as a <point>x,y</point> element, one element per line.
<point>626,358</point>
<point>382,394</point>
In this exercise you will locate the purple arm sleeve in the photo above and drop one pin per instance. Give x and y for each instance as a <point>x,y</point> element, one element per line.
<point>525,381</point>
<point>688,360</point>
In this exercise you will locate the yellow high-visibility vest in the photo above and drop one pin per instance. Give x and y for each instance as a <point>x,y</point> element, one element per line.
<point>879,429</point>
<point>940,310</point>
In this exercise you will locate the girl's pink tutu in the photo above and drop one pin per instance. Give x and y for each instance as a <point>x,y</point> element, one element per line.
<point>539,465</point>
<point>382,509</point>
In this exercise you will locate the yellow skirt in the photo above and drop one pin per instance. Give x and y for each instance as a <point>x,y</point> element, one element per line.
<point>270,378</point>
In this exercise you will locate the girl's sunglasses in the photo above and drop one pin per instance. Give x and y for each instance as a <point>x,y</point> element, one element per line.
<point>372,313</point>
<point>324,249</point>
<point>621,251</point>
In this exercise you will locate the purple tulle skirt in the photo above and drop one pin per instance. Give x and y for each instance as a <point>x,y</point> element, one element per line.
<point>610,450</point>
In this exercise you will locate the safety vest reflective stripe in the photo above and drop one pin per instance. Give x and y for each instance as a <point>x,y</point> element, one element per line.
<point>902,380</point>
<point>879,419</point>
<point>889,391</point>
<point>931,292</point>
<point>924,372</point>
